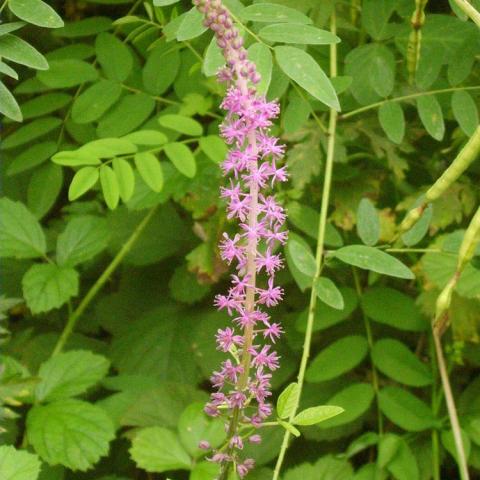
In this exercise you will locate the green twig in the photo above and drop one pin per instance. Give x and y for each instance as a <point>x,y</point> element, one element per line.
<point>469,10</point>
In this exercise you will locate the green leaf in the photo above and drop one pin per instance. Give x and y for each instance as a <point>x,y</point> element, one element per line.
<point>150,170</point>
<point>45,104</point>
<point>110,189</point>
<point>163,3</point>
<point>36,12</point>
<point>382,70</point>
<point>204,471</point>
<point>213,60</point>
<point>302,257</point>
<point>338,358</point>
<point>70,432</point>
<point>392,120</point>
<point>36,129</point>
<point>83,238</point>
<point>21,236</point>
<point>48,286</point>
<point>396,361</point>
<point>391,307</point>
<point>108,147</point>
<point>314,415</point>
<point>465,111</point>
<point>19,51</point>
<point>260,55</point>
<point>431,115</point>
<point>287,400</point>
<point>67,73</point>
<point>289,428</point>
<point>70,374</point>
<point>370,258</point>
<point>125,178</point>
<point>84,28</point>
<point>8,105</point>
<point>192,25</point>
<point>303,69</point>
<point>75,158</point>
<point>420,229</point>
<point>328,293</point>
<point>160,70</point>
<point>274,13</point>
<point>114,57</point>
<point>31,157</point>
<point>10,27</point>
<point>405,409</point>
<point>182,158</point>
<point>147,137</point>
<point>448,441</point>
<point>18,464</point>
<point>82,182</point>
<point>403,463</point>
<point>157,449</point>
<point>95,101</point>
<point>40,199</point>
<point>214,148</point>
<point>182,124</point>
<point>375,16</point>
<point>298,34</point>
<point>368,222</point>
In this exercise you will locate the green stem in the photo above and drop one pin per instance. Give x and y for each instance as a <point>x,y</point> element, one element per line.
<point>77,313</point>
<point>332,126</point>
<point>404,97</point>
<point>435,408</point>
<point>5,3</point>
<point>469,10</point>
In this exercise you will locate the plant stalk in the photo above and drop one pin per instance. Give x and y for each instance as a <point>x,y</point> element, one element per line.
<point>469,10</point>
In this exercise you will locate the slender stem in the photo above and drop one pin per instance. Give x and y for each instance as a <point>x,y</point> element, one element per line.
<point>404,97</point>
<point>3,5</point>
<point>77,313</point>
<point>469,10</point>
<point>435,407</point>
<point>320,251</point>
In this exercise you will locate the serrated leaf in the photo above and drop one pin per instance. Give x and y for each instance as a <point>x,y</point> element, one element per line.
<point>304,70</point>
<point>48,286</point>
<point>150,170</point>
<point>392,120</point>
<point>125,178</point>
<point>69,432</point>
<point>328,293</point>
<point>370,258</point>
<point>19,51</point>
<point>431,115</point>
<point>287,400</point>
<point>82,182</point>
<point>302,257</point>
<point>67,73</point>
<point>83,238</point>
<point>70,374</point>
<point>18,464</point>
<point>21,236</point>
<point>110,189</point>
<point>181,124</point>
<point>182,158</point>
<point>297,34</point>
<point>368,222</point>
<point>36,12</point>
<point>8,105</point>
<point>272,12</point>
<point>114,57</point>
<point>314,415</point>
<point>156,449</point>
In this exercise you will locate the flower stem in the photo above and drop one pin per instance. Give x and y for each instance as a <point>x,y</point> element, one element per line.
<point>77,313</point>
<point>332,126</point>
<point>469,10</point>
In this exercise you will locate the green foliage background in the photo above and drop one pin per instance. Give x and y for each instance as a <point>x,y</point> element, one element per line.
<point>110,217</point>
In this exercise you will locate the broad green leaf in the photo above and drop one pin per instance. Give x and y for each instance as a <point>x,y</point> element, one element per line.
<point>75,158</point>
<point>84,28</point>
<point>192,26</point>
<point>302,257</point>
<point>395,360</point>
<point>298,34</point>
<point>302,280</point>
<point>214,148</point>
<point>147,137</point>
<point>33,130</point>
<point>114,57</point>
<point>8,105</point>
<point>95,101</point>
<point>314,415</point>
<point>182,124</point>
<point>18,464</point>
<point>109,147</point>
<point>83,238</point>
<point>67,73</point>
<point>45,104</point>
<point>431,115</point>
<point>110,189</point>
<point>337,359</point>
<point>289,428</point>
<point>382,70</point>
<point>368,222</point>
<point>375,16</point>
<point>70,432</point>
<point>40,199</point>
<point>125,178</point>
<point>182,158</point>
<point>204,471</point>
<point>214,59</point>
<point>274,13</point>
<point>161,69</point>
<point>156,449</point>
<point>400,462</point>
<point>328,293</point>
<point>69,374</point>
<point>420,229</point>
<point>21,236</point>
<point>370,258</point>
<point>392,120</point>
<point>304,70</point>
<point>48,286</point>
<point>391,307</point>
<point>84,180</point>
<point>287,400</point>
<point>465,111</point>
<point>31,157</point>
<point>36,12</point>
<point>150,170</point>
<point>405,409</point>
<point>19,51</point>
<point>260,54</point>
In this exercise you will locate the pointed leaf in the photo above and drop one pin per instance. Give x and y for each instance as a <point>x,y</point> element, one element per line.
<point>110,189</point>
<point>19,51</point>
<point>82,182</point>
<point>8,105</point>
<point>287,400</point>
<point>314,415</point>
<point>36,12</point>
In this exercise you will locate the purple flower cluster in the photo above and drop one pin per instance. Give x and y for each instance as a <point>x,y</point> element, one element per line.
<point>243,382</point>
